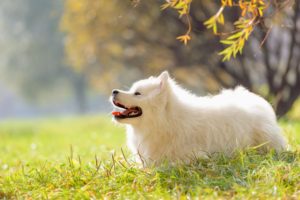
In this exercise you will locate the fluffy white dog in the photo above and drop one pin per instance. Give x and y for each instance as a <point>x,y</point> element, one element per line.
<point>164,121</point>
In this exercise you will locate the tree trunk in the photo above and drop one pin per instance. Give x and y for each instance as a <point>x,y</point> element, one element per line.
<point>80,88</point>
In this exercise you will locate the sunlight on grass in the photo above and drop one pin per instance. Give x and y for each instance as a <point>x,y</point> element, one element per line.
<point>81,158</point>
<point>40,140</point>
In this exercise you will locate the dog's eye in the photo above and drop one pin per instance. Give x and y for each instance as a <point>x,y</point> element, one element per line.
<point>137,93</point>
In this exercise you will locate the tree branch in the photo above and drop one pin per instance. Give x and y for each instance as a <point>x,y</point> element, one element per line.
<point>293,45</point>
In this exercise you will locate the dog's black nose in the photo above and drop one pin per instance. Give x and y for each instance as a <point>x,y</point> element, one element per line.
<point>114,92</point>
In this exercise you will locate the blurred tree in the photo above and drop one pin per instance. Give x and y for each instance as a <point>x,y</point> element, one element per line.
<point>252,13</point>
<point>276,63</point>
<point>113,38</point>
<point>33,52</point>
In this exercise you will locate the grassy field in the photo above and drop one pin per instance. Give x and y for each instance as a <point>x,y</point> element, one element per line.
<point>81,158</point>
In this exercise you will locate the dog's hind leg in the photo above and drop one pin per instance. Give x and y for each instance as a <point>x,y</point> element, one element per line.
<point>270,137</point>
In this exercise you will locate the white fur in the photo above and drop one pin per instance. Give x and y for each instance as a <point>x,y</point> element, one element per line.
<point>177,125</point>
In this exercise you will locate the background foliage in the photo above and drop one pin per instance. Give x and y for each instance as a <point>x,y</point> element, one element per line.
<point>101,41</point>
<point>62,56</point>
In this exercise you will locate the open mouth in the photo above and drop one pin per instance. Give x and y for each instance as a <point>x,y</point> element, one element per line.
<point>126,112</point>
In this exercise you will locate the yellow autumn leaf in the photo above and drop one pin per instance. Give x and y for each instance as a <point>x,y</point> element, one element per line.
<point>184,38</point>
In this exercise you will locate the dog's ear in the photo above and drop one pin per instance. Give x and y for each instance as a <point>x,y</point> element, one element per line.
<point>163,80</point>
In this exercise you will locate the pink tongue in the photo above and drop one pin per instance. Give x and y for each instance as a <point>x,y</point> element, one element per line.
<point>126,112</point>
<point>115,113</point>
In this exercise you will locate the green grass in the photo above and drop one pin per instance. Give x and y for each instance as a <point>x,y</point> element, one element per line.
<point>81,158</point>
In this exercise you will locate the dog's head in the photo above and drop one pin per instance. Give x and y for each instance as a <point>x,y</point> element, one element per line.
<point>144,100</point>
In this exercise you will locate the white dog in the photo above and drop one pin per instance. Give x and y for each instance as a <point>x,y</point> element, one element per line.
<point>164,121</point>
